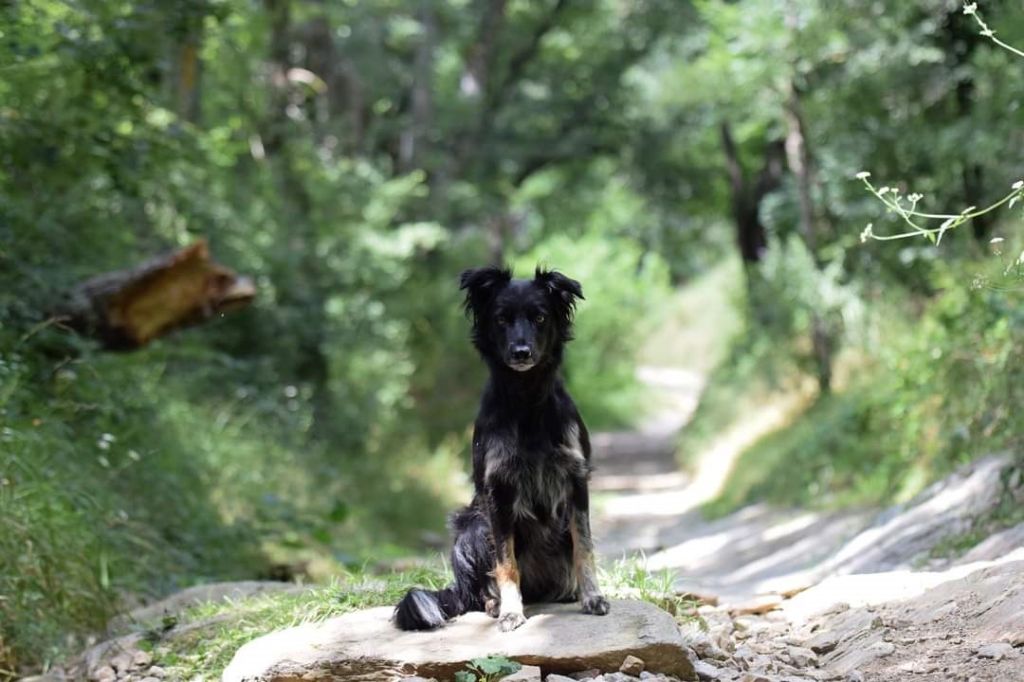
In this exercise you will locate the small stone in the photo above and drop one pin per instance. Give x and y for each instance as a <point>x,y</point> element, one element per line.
<point>997,651</point>
<point>150,679</point>
<point>141,659</point>
<point>122,662</point>
<point>801,657</point>
<point>618,677</point>
<point>762,662</point>
<point>744,655</point>
<point>755,677</point>
<point>558,678</point>
<point>708,649</point>
<point>632,665</point>
<point>104,674</point>
<point>918,667</point>
<point>528,673</point>
<point>882,649</point>
<point>586,674</point>
<point>760,604</point>
<point>706,672</point>
<point>855,676</point>
<point>156,671</point>
<point>822,643</point>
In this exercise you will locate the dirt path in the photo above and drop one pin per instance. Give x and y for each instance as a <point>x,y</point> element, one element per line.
<point>801,595</point>
<point>646,504</point>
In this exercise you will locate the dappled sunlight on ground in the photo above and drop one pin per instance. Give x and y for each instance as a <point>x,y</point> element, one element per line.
<point>646,504</point>
<point>654,499</point>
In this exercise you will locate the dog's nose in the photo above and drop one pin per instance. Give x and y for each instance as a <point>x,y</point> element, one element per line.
<point>521,353</point>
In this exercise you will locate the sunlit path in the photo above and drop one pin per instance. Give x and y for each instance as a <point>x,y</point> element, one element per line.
<point>651,506</point>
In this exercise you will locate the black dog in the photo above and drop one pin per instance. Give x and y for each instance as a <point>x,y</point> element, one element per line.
<point>526,534</point>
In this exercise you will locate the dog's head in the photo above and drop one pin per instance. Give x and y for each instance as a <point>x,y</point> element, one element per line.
<point>520,323</point>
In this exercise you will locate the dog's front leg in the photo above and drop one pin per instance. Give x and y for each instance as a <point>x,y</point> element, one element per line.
<point>591,598</point>
<point>506,574</point>
<point>506,569</point>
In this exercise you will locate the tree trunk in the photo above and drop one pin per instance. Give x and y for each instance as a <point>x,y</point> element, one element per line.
<point>799,159</point>
<point>305,292</point>
<point>479,63</point>
<point>126,309</point>
<point>751,236</point>
<point>188,71</point>
<point>746,200</point>
<point>345,100</point>
<point>801,165</point>
<point>414,137</point>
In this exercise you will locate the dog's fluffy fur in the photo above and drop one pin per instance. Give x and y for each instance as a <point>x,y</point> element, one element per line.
<point>526,535</point>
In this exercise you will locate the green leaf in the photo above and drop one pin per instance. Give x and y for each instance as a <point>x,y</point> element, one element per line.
<point>339,512</point>
<point>496,666</point>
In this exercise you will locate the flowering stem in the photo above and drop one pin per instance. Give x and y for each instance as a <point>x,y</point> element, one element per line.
<point>908,214</point>
<point>971,9</point>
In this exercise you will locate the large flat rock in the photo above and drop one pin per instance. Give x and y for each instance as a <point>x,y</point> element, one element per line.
<point>558,638</point>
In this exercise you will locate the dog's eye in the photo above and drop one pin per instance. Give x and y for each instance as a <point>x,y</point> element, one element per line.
<point>540,319</point>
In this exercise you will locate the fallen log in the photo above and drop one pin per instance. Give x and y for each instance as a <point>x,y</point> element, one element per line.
<point>126,309</point>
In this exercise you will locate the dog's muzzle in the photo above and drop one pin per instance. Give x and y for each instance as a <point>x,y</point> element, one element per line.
<point>520,358</point>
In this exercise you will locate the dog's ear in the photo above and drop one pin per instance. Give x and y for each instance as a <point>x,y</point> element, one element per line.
<point>563,291</point>
<point>481,285</point>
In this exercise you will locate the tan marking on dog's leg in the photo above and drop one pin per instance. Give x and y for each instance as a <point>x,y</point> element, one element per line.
<point>506,575</point>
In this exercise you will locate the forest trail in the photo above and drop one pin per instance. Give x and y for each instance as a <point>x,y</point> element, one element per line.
<point>796,595</point>
<point>644,503</point>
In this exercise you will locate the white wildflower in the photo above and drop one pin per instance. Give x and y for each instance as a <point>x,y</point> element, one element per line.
<point>863,175</point>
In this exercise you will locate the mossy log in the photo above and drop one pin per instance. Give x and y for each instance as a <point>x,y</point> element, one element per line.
<point>126,309</point>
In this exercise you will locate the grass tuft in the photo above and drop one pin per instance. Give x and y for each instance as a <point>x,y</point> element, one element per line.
<point>206,637</point>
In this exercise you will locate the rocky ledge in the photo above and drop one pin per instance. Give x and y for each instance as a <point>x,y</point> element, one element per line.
<point>557,638</point>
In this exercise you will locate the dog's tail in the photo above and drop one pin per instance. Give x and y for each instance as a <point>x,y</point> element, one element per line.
<point>427,610</point>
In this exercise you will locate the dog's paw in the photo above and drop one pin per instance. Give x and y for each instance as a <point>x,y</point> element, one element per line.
<point>492,607</point>
<point>596,604</point>
<point>508,622</point>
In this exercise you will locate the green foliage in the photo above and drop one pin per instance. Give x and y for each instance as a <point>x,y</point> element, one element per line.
<point>906,209</point>
<point>487,669</point>
<point>625,292</point>
<point>354,157</point>
<point>207,636</point>
<point>630,578</point>
<point>924,396</point>
<point>790,293</point>
<point>326,422</point>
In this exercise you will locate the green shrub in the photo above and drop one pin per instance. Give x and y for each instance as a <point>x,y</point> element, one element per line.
<point>925,395</point>
<point>625,290</point>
